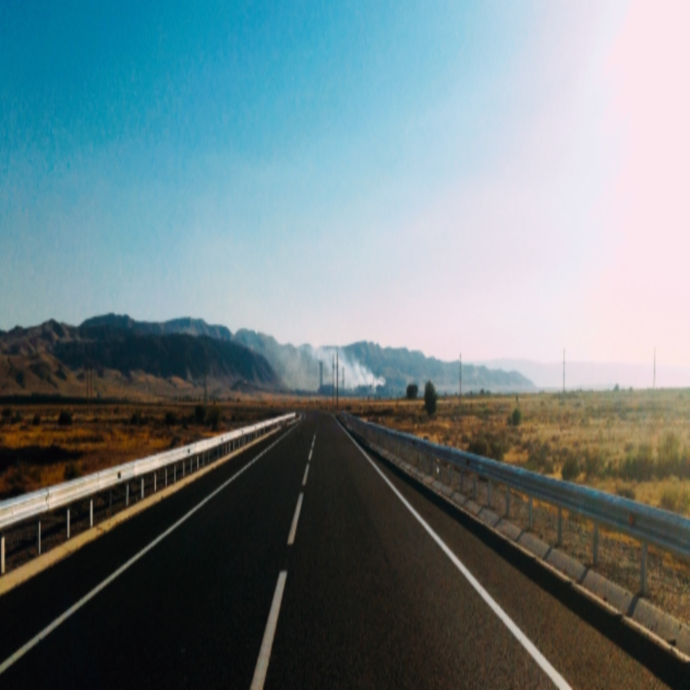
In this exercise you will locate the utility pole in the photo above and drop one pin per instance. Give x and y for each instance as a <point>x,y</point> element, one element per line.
<point>333,380</point>
<point>343,386</point>
<point>654,376</point>
<point>205,385</point>
<point>87,377</point>
<point>460,395</point>
<point>337,374</point>
<point>320,376</point>
<point>563,371</point>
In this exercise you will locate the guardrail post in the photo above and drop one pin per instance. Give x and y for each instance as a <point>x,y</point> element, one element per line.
<point>595,545</point>
<point>127,494</point>
<point>68,523</point>
<point>643,570</point>
<point>462,482</point>
<point>110,503</point>
<point>474,488</point>
<point>142,488</point>
<point>183,469</point>
<point>166,476</point>
<point>154,482</point>
<point>560,527</point>
<point>488,490</point>
<point>39,537</point>
<point>174,473</point>
<point>530,510</point>
<point>507,501</point>
<point>2,554</point>
<point>91,513</point>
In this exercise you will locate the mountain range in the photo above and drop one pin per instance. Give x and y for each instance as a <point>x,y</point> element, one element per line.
<point>177,357</point>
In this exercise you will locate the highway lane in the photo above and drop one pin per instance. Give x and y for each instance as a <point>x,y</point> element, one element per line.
<point>343,587</point>
<point>192,611</point>
<point>371,599</point>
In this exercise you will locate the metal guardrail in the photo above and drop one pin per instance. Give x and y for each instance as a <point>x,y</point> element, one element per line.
<point>32,505</point>
<point>660,528</point>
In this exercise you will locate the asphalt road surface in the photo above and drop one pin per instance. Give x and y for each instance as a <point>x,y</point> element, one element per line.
<point>306,563</point>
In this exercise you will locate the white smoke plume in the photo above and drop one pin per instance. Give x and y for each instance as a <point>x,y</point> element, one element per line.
<point>356,374</point>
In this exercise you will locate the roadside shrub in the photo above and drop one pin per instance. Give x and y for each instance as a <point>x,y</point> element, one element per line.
<point>639,466</point>
<point>213,417</point>
<point>37,419</point>
<point>171,419</point>
<point>412,391</point>
<point>676,499</point>
<point>430,398</point>
<point>65,418</point>
<point>488,445</point>
<point>7,413</point>
<point>199,414</point>
<point>571,469</point>
<point>72,471</point>
<point>626,491</point>
<point>515,419</point>
<point>539,457</point>
<point>136,419</point>
<point>669,456</point>
<point>594,463</point>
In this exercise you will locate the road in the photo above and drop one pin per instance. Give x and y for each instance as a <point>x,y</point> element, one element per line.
<point>306,563</point>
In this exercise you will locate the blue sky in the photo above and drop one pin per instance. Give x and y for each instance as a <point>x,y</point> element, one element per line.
<point>437,175</point>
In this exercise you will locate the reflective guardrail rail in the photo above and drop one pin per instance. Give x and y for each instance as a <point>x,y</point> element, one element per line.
<point>32,505</point>
<point>662,529</point>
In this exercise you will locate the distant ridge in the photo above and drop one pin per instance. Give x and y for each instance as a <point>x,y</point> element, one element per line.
<point>184,325</point>
<point>173,358</point>
<point>370,368</point>
<point>127,356</point>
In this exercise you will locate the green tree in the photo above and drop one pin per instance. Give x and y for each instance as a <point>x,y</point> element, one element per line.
<point>213,417</point>
<point>65,418</point>
<point>430,398</point>
<point>200,414</point>
<point>412,391</point>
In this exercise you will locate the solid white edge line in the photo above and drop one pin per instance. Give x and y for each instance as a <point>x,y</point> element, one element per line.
<point>293,529</point>
<point>267,643</point>
<point>543,662</point>
<point>87,597</point>
<point>306,472</point>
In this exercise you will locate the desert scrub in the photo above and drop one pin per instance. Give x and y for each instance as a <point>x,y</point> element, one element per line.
<point>626,491</point>
<point>676,499</point>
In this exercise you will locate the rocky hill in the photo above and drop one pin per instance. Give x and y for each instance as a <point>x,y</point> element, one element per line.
<point>53,358</point>
<point>185,326</point>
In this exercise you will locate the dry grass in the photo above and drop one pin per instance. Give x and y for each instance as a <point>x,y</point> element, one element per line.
<point>33,456</point>
<point>627,442</point>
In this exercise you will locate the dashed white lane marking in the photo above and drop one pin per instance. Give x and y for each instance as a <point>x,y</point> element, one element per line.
<point>310,452</point>
<point>543,662</point>
<point>293,529</point>
<point>270,632</point>
<point>306,472</point>
<point>87,597</point>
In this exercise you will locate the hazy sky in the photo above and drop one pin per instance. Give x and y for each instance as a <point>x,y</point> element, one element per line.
<point>504,178</point>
